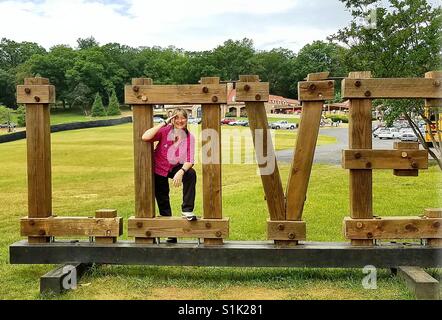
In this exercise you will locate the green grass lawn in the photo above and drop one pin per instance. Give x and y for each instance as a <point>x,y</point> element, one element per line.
<point>93,169</point>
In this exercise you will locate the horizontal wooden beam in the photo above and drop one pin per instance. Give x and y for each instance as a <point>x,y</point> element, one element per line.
<point>393,228</point>
<point>286,230</point>
<point>316,90</point>
<point>391,88</point>
<point>406,146</point>
<point>176,94</point>
<point>71,226</point>
<point>252,91</point>
<point>35,94</point>
<point>433,213</point>
<point>178,227</point>
<point>384,159</point>
<point>317,76</point>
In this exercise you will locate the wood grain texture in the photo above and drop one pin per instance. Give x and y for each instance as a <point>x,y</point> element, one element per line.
<point>393,228</point>
<point>384,159</point>
<point>143,161</point>
<point>316,90</point>
<point>404,146</point>
<point>215,229</point>
<point>391,88</point>
<point>38,140</point>
<point>211,166</point>
<point>175,94</point>
<point>437,82</point>
<point>38,94</point>
<point>361,181</point>
<point>299,174</point>
<point>252,91</point>
<point>107,213</point>
<point>433,212</point>
<point>271,181</point>
<point>71,226</point>
<point>286,230</point>
<point>318,76</point>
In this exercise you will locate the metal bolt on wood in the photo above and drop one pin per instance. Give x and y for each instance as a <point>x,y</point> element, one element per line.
<point>28,91</point>
<point>208,225</point>
<point>258,97</point>
<point>148,233</point>
<point>358,155</point>
<point>281,227</point>
<point>139,225</point>
<point>136,88</point>
<point>219,234</point>
<point>368,165</point>
<point>404,154</point>
<point>215,99</point>
<point>291,236</point>
<point>37,99</point>
<point>367,93</point>
<point>246,87</point>
<point>358,84</point>
<point>205,90</point>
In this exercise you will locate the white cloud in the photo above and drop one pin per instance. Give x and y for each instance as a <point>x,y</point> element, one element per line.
<point>184,24</point>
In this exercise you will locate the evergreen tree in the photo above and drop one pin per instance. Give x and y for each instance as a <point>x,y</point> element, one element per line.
<point>98,107</point>
<point>114,106</point>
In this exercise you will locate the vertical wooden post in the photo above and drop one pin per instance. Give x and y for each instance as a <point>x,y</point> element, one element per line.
<point>143,160</point>
<point>212,178</point>
<point>38,136</point>
<point>361,181</point>
<point>300,171</point>
<point>257,116</point>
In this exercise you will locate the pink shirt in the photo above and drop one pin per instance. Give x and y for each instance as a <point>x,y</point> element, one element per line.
<point>168,154</point>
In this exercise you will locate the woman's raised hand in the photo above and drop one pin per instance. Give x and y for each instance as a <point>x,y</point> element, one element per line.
<point>169,120</point>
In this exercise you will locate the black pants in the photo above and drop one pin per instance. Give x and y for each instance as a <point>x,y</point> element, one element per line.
<point>162,191</point>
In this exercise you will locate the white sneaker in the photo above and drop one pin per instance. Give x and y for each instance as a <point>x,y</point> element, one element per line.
<point>190,216</point>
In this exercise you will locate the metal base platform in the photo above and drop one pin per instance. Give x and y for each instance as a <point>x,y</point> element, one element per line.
<point>230,254</point>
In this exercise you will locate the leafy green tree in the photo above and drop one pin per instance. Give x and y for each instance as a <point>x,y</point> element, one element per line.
<point>98,109</point>
<point>21,116</point>
<point>403,40</point>
<point>87,43</point>
<point>12,53</point>
<point>81,96</point>
<point>7,88</point>
<point>114,106</point>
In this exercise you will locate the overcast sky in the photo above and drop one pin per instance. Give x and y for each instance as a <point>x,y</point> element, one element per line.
<point>187,24</point>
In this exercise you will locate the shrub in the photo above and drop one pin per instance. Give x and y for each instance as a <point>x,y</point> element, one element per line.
<point>21,116</point>
<point>336,118</point>
<point>114,106</point>
<point>98,107</point>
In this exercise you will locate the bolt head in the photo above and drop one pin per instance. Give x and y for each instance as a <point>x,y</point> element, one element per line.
<point>436,83</point>
<point>291,236</point>
<point>205,90</point>
<point>31,222</point>
<point>258,97</point>
<point>208,225</point>
<point>359,225</point>
<point>367,93</point>
<point>218,234</point>
<point>214,99</point>
<point>404,154</point>
<point>37,99</point>
<point>139,225</point>
<point>246,87</point>
<point>27,90</point>
<point>414,165</point>
<point>357,83</point>
<point>280,227</point>
<point>144,98</point>
<point>370,235</point>
<point>312,87</point>
<point>358,155</point>
<point>368,165</point>
<point>148,233</point>
<point>136,88</point>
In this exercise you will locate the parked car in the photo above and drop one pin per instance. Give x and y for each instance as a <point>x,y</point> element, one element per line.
<point>395,132</point>
<point>282,124</point>
<point>158,119</point>
<point>385,134</point>
<point>227,120</point>
<point>194,120</point>
<point>243,123</point>
<point>408,137</point>
<point>376,131</point>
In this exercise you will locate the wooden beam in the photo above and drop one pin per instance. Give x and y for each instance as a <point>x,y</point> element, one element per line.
<point>252,91</point>
<point>433,213</point>
<point>299,174</point>
<point>361,181</point>
<point>406,146</point>
<point>391,88</point>
<point>38,139</point>
<point>176,94</point>
<point>316,90</point>
<point>384,159</point>
<point>393,228</point>
<point>212,175</point>
<point>437,81</point>
<point>423,286</point>
<point>179,227</point>
<point>318,76</point>
<point>107,213</point>
<point>35,94</point>
<point>143,161</point>
<point>71,227</point>
<point>271,181</point>
<point>286,230</point>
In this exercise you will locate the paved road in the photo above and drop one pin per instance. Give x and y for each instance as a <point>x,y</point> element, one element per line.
<point>331,153</point>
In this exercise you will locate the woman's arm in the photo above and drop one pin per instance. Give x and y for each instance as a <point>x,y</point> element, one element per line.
<point>178,178</point>
<point>150,133</point>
